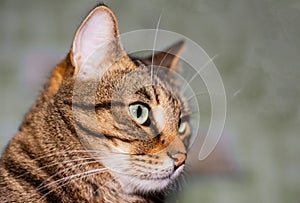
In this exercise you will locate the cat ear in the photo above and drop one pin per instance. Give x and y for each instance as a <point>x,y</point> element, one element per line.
<point>168,58</point>
<point>97,35</point>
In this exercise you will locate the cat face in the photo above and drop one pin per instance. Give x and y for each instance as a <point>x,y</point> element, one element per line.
<point>146,138</point>
<point>140,121</point>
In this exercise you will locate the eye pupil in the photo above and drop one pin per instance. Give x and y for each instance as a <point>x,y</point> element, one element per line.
<point>139,111</point>
<point>179,123</point>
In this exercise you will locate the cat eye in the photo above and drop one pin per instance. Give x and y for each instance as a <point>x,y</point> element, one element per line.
<point>182,127</point>
<point>139,112</point>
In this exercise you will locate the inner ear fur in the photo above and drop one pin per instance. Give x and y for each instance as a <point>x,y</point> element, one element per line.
<point>98,34</point>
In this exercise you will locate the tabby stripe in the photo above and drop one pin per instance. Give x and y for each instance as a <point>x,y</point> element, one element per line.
<point>88,131</point>
<point>66,121</point>
<point>21,174</point>
<point>144,93</point>
<point>105,105</point>
<point>96,134</point>
<point>118,138</point>
<point>156,95</point>
<point>108,105</point>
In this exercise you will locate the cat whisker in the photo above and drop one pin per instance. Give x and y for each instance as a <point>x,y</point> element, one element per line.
<point>195,95</point>
<point>66,152</point>
<point>200,69</point>
<point>42,186</point>
<point>187,166</point>
<point>156,73</point>
<point>69,179</point>
<point>184,181</point>
<point>50,165</point>
<point>170,189</point>
<point>64,162</point>
<point>154,45</point>
<point>74,151</point>
<point>112,180</point>
<point>179,185</point>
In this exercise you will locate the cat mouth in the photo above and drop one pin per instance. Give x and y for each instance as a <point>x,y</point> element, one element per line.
<point>173,175</point>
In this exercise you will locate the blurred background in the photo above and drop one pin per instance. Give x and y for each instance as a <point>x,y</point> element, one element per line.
<point>257,45</point>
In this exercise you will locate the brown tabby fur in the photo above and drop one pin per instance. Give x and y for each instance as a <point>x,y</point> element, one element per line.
<point>47,147</point>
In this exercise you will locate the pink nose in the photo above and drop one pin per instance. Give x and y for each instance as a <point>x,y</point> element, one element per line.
<point>179,158</point>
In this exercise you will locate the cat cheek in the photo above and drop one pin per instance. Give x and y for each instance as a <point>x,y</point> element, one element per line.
<point>159,115</point>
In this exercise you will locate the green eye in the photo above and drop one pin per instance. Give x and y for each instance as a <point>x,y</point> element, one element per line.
<point>139,112</point>
<point>182,127</point>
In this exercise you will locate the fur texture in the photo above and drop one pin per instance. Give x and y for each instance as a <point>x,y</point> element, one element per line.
<point>58,155</point>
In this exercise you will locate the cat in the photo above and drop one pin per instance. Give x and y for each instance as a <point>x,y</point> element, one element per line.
<point>135,147</point>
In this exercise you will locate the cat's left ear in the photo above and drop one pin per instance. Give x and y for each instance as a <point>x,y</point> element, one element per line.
<point>168,58</point>
<point>97,36</point>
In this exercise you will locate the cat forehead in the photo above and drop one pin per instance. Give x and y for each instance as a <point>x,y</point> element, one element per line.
<point>156,93</point>
<point>142,79</point>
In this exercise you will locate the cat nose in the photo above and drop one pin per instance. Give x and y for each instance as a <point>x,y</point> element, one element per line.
<point>179,158</point>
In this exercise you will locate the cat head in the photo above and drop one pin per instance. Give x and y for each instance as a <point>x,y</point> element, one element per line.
<point>128,111</point>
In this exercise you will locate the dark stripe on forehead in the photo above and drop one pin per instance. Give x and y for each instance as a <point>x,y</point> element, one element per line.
<point>108,105</point>
<point>103,105</point>
<point>143,92</point>
<point>156,95</point>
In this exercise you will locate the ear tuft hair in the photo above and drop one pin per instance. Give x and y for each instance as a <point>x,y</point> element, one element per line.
<point>98,34</point>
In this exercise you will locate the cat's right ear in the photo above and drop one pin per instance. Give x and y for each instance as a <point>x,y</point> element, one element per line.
<point>97,36</point>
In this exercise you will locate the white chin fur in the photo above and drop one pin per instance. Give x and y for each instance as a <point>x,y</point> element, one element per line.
<point>136,185</point>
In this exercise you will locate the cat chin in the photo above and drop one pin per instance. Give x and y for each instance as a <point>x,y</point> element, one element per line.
<point>140,186</point>
<point>135,185</point>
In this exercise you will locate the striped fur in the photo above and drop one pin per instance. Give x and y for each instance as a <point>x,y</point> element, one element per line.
<point>56,158</point>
